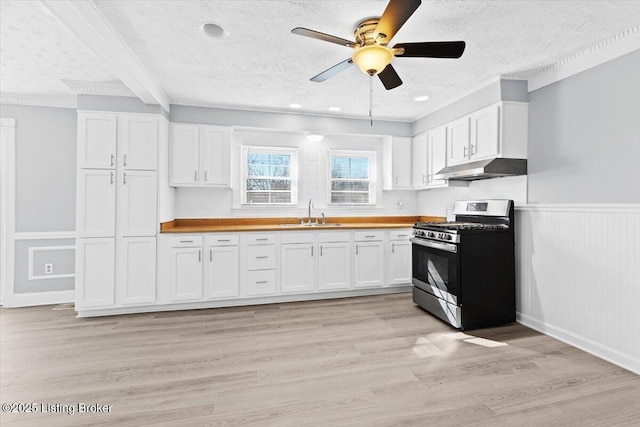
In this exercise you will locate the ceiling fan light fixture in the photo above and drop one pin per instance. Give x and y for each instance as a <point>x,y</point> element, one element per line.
<point>373,58</point>
<point>315,136</point>
<point>421,98</point>
<point>214,30</point>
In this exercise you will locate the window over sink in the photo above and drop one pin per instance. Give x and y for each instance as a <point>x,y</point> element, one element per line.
<point>269,176</point>
<point>352,177</point>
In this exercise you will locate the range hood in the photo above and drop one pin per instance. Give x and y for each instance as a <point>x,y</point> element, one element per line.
<point>483,169</point>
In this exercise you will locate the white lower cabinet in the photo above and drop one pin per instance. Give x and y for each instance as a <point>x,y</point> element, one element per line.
<point>368,261</point>
<point>334,266</point>
<point>136,270</point>
<point>261,283</point>
<point>399,262</point>
<point>297,268</point>
<point>95,273</point>
<point>222,271</point>
<point>186,273</point>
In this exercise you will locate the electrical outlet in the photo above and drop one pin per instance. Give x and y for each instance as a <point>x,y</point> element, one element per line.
<point>48,268</point>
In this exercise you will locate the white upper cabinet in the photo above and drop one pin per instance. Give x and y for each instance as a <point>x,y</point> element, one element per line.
<point>436,155</point>
<point>200,155</point>
<point>458,141</point>
<point>96,210</point>
<point>137,196</point>
<point>420,170</point>
<point>499,130</point>
<point>97,141</point>
<point>397,163</point>
<point>138,142</point>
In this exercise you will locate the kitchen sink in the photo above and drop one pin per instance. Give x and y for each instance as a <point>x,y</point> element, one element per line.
<point>313,224</point>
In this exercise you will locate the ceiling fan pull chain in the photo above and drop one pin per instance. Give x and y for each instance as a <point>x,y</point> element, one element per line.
<point>371,99</point>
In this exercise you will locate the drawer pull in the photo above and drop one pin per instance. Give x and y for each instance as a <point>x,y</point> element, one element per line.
<point>403,235</point>
<point>369,236</point>
<point>262,257</point>
<point>186,241</point>
<point>262,239</point>
<point>262,282</point>
<point>224,240</point>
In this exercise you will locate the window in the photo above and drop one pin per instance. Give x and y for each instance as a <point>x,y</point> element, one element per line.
<point>269,176</point>
<point>352,177</point>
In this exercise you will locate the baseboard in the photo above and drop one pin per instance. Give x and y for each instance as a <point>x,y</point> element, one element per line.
<point>603,352</point>
<point>39,298</point>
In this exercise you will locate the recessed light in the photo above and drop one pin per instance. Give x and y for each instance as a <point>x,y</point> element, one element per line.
<point>214,30</point>
<point>315,136</point>
<point>295,106</point>
<point>421,98</point>
<point>335,108</point>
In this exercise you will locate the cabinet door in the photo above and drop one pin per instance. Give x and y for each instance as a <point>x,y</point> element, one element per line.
<point>96,201</point>
<point>420,171</point>
<point>458,141</point>
<point>97,136</point>
<point>136,270</point>
<point>215,149</point>
<point>297,272</point>
<point>185,143</point>
<point>138,142</point>
<point>137,204</point>
<point>222,275</point>
<point>437,153</point>
<point>485,131</point>
<point>95,272</point>
<point>369,261</point>
<point>186,274</point>
<point>334,269</point>
<point>400,262</point>
<point>402,162</point>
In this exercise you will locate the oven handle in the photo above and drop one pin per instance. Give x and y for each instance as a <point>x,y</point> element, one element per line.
<point>449,247</point>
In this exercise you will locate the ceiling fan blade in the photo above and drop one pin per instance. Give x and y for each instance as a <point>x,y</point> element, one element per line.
<point>394,17</point>
<point>431,49</point>
<point>332,71</point>
<point>322,36</point>
<point>389,78</point>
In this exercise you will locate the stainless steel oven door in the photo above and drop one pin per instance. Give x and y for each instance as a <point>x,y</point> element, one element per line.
<point>436,268</point>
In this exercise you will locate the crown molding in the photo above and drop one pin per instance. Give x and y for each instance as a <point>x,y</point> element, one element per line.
<point>39,101</point>
<point>201,104</point>
<point>601,52</point>
<point>98,88</point>
<point>86,20</point>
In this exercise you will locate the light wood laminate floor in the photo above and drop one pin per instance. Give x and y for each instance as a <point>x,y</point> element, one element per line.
<point>369,361</point>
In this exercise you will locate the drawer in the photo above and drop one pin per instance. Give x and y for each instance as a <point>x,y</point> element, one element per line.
<point>364,236</point>
<point>261,282</point>
<point>223,240</point>
<point>261,257</point>
<point>297,237</point>
<point>334,236</point>
<point>261,239</point>
<point>186,241</point>
<point>402,234</point>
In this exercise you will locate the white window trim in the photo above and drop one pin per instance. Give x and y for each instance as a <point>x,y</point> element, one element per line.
<point>244,175</point>
<point>373,177</point>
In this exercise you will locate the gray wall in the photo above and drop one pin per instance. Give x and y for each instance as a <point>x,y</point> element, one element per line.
<point>45,167</point>
<point>584,136</point>
<point>63,261</point>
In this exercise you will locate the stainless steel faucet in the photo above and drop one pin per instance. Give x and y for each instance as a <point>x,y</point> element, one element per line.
<point>309,212</point>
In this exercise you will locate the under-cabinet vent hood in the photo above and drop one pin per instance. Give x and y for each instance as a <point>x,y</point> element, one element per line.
<point>483,169</point>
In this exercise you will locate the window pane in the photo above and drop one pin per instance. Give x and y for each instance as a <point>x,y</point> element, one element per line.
<point>263,164</point>
<point>268,197</point>
<point>349,167</point>
<point>258,184</point>
<point>349,197</point>
<point>350,186</point>
<point>278,184</point>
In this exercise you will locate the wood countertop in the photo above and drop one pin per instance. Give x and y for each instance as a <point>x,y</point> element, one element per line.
<point>217,225</point>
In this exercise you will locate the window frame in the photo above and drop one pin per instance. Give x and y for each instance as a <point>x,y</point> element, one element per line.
<point>373,177</point>
<point>293,172</point>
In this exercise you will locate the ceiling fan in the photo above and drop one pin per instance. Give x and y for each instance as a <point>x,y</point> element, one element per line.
<point>372,35</point>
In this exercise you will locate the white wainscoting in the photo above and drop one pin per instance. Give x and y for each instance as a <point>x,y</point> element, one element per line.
<point>578,277</point>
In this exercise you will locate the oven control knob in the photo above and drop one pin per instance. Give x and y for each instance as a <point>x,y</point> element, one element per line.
<point>431,234</point>
<point>447,236</point>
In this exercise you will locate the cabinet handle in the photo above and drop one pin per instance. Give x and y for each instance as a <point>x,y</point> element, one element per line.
<point>199,255</point>
<point>320,250</point>
<point>424,178</point>
<point>224,240</point>
<point>312,251</point>
<point>356,249</point>
<point>111,178</point>
<point>205,176</point>
<point>393,248</point>
<point>402,235</point>
<point>369,236</point>
<point>261,240</point>
<point>112,159</point>
<point>473,150</point>
<point>262,257</point>
<point>396,180</point>
<point>464,151</point>
<point>124,175</point>
<point>210,254</point>
<point>262,282</point>
<point>186,241</point>
<point>124,160</point>
<point>195,176</point>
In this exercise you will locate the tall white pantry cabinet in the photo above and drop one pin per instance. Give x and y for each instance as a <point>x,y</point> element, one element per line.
<point>116,208</point>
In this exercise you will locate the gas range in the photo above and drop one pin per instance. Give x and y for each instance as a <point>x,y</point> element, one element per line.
<point>450,231</point>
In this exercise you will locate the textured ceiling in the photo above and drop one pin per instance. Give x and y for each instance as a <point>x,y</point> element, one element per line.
<point>36,51</point>
<point>261,65</point>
